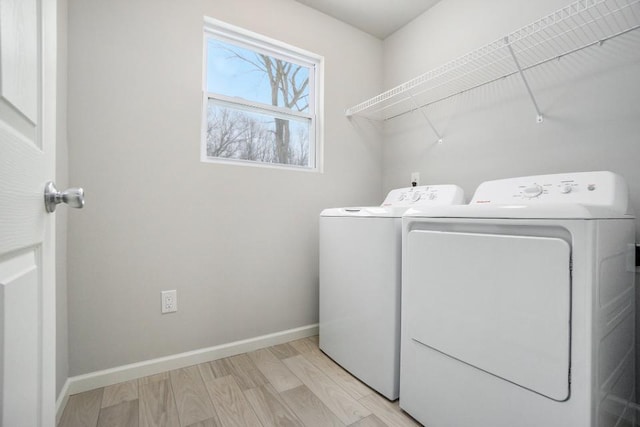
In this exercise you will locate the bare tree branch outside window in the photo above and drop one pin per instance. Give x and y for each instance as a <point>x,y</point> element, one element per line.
<point>238,133</point>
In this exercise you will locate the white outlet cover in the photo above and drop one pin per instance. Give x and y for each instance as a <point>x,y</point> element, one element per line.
<point>169,301</point>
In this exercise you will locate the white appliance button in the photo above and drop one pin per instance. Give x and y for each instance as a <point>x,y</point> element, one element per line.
<point>402,197</point>
<point>565,189</point>
<point>532,191</point>
<point>416,196</point>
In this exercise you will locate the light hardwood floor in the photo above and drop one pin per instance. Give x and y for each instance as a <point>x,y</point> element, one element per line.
<point>292,384</point>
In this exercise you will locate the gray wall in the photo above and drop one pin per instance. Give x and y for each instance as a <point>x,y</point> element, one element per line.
<point>62,347</point>
<point>238,243</point>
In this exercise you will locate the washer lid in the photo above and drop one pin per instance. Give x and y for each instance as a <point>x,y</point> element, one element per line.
<point>366,212</point>
<point>399,200</point>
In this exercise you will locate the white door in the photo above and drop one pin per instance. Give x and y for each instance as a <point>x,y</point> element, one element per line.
<point>27,158</point>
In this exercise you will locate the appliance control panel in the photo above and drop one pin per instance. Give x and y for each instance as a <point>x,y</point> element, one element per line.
<point>589,188</point>
<point>425,195</point>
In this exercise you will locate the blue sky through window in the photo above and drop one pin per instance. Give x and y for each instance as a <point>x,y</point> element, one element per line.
<point>230,75</point>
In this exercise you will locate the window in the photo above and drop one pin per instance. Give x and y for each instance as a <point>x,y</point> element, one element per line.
<point>261,100</point>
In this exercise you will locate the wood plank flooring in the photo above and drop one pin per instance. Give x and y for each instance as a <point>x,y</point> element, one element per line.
<point>292,385</point>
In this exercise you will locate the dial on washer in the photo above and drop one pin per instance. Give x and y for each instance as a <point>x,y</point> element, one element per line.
<point>533,190</point>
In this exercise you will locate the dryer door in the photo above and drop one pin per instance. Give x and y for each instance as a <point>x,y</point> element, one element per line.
<point>500,303</point>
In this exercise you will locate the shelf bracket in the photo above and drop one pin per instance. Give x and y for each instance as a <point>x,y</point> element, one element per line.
<point>424,114</point>
<point>524,80</point>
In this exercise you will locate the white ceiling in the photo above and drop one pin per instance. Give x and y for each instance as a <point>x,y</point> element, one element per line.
<point>377,17</point>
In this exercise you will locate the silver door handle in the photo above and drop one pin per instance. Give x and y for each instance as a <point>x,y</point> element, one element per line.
<point>74,197</point>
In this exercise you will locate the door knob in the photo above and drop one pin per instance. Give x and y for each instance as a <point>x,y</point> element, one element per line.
<point>74,197</point>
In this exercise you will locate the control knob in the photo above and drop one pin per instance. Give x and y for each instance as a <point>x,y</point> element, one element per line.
<point>566,189</point>
<point>532,191</point>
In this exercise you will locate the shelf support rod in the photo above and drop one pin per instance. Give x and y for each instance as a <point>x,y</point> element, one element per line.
<point>424,114</point>
<point>433,128</point>
<point>524,80</point>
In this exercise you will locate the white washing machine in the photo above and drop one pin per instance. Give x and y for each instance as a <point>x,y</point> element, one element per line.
<point>360,264</point>
<point>518,309</point>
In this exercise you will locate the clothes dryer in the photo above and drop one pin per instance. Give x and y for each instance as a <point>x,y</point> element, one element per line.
<point>518,309</point>
<point>360,264</point>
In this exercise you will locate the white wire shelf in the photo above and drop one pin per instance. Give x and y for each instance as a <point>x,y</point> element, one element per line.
<point>575,27</point>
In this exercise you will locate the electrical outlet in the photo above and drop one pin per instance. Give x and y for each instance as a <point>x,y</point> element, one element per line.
<point>169,301</point>
<point>415,179</point>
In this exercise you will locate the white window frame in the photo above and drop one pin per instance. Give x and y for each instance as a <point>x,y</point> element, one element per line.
<point>219,30</point>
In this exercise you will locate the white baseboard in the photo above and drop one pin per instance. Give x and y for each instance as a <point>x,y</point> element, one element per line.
<point>90,381</point>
